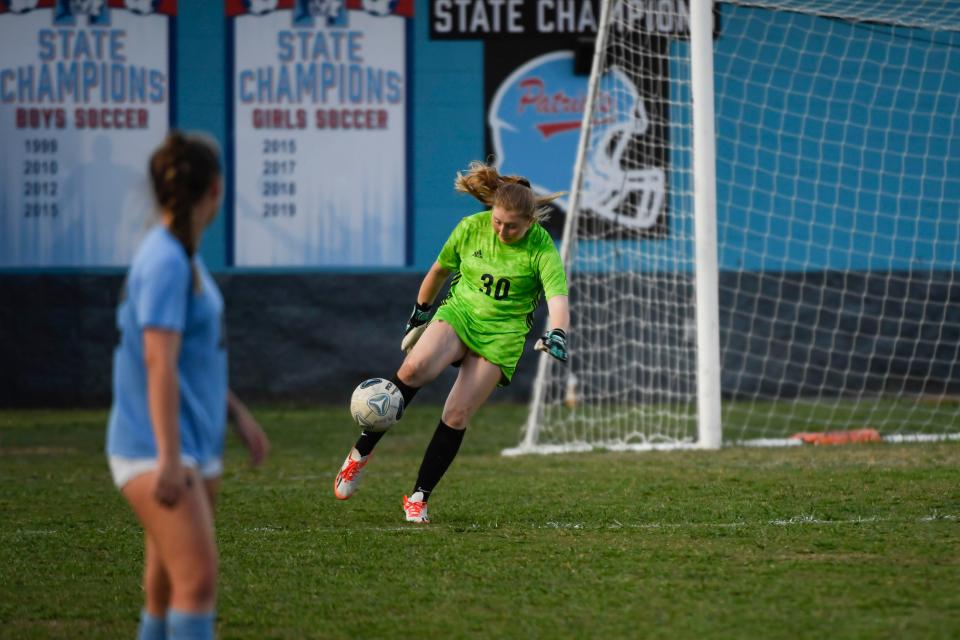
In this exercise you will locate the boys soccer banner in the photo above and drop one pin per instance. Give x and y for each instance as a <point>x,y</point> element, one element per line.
<point>319,127</point>
<point>84,99</point>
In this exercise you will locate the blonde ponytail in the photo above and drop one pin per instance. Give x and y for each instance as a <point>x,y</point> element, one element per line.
<point>513,193</point>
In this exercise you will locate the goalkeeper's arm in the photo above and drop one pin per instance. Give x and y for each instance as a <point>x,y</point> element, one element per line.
<point>422,311</point>
<point>554,341</point>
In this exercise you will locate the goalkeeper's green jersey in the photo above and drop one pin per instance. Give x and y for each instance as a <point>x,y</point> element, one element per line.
<point>496,287</point>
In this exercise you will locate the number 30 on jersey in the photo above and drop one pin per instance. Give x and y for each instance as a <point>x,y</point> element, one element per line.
<point>499,289</point>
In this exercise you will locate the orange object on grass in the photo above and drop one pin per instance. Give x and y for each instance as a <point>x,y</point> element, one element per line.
<point>839,437</point>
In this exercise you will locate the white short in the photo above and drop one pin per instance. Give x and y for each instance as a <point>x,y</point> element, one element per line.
<point>124,469</point>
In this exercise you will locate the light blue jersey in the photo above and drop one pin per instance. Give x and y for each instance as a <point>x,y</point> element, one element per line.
<point>159,293</point>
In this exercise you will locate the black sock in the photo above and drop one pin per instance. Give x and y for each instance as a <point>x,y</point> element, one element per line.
<point>437,458</point>
<point>406,391</point>
<point>369,439</point>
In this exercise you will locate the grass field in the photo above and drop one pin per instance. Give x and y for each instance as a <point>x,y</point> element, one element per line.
<point>860,541</point>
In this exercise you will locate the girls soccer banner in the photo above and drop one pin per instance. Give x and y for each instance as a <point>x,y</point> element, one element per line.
<point>84,99</point>
<point>319,118</point>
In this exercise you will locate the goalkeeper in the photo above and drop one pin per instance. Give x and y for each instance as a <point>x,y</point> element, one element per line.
<point>502,261</point>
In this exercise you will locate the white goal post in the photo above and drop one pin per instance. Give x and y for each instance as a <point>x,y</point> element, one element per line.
<point>763,230</point>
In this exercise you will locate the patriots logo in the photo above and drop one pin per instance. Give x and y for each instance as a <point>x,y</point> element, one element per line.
<point>22,6</point>
<point>260,7</point>
<point>379,7</point>
<point>86,7</point>
<point>67,12</point>
<point>537,113</point>
<point>141,7</point>
<point>325,8</point>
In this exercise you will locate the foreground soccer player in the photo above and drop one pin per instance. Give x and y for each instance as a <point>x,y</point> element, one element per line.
<point>170,398</point>
<point>502,261</point>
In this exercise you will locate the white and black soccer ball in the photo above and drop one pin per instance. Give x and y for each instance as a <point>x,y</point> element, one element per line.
<point>376,404</point>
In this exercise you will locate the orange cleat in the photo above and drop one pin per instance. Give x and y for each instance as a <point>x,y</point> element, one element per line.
<point>415,509</point>
<point>348,480</point>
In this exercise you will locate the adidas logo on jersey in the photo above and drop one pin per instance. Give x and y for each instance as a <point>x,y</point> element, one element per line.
<point>478,253</point>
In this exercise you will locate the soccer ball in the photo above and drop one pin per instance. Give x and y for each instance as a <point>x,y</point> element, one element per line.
<point>376,404</point>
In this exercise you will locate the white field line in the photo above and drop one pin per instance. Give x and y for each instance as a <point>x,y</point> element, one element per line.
<point>793,521</point>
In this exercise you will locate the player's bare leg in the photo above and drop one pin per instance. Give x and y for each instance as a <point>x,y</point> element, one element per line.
<point>476,381</point>
<point>437,349</point>
<point>156,580</point>
<point>182,550</point>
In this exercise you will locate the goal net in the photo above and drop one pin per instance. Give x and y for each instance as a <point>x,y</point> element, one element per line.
<point>837,240</point>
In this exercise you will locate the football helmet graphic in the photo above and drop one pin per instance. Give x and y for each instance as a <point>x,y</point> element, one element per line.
<point>632,197</point>
<point>535,120</point>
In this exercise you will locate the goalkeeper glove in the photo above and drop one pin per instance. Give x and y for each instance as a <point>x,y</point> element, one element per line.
<point>554,342</point>
<point>416,325</point>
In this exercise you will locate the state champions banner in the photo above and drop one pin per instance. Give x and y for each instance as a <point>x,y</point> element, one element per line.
<point>319,117</point>
<point>85,93</point>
